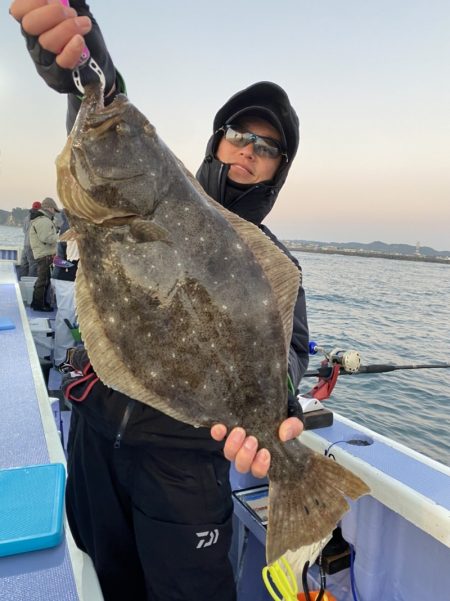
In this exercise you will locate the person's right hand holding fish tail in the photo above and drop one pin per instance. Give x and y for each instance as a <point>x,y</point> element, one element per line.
<point>243,450</point>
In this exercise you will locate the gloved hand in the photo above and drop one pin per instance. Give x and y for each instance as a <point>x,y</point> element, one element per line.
<point>39,26</point>
<point>77,359</point>
<point>294,407</point>
<point>77,384</point>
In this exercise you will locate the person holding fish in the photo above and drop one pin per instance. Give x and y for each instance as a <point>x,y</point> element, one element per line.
<point>148,496</point>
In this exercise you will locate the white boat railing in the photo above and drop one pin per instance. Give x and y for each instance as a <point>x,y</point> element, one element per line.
<point>402,497</point>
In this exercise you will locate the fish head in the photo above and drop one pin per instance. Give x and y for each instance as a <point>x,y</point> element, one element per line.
<point>110,167</point>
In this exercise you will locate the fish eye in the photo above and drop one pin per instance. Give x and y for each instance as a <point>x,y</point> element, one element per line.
<point>122,129</point>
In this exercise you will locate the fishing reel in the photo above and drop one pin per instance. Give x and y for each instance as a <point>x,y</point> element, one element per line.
<point>337,361</point>
<point>350,360</point>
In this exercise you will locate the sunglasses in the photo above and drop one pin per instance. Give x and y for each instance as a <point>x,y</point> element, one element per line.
<point>263,146</point>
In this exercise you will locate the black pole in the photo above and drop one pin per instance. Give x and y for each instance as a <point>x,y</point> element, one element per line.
<point>380,368</point>
<point>377,369</point>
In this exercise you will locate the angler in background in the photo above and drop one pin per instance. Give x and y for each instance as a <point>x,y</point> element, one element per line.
<point>64,271</point>
<point>43,240</point>
<point>144,488</point>
<point>28,264</point>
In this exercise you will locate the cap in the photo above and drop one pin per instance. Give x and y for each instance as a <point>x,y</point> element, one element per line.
<point>269,101</point>
<point>49,203</point>
<point>36,205</point>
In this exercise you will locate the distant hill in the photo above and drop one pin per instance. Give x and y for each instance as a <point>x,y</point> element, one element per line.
<point>377,246</point>
<point>14,218</point>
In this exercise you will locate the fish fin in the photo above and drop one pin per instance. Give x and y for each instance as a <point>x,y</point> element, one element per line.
<point>306,498</point>
<point>282,273</point>
<point>76,201</point>
<point>68,235</point>
<point>108,364</point>
<point>144,230</point>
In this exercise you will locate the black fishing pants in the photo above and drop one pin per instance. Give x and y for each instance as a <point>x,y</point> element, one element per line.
<point>28,264</point>
<point>155,520</point>
<point>42,283</point>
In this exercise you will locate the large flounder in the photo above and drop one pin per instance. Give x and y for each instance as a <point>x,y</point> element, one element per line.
<point>188,308</point>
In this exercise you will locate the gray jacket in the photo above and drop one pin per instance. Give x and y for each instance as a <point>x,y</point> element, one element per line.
<point>43,236</point>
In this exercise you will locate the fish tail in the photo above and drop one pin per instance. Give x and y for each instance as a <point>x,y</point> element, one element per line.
<point>306,497</point>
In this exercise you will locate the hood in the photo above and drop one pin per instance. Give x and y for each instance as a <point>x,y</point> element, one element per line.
<point>35,213</point>
<point>253,202</point>
<point>43,213</point>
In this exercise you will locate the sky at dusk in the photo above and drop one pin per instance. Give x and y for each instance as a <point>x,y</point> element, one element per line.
<point>369,80</point>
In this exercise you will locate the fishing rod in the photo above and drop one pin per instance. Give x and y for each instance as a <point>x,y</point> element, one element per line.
<point>378,368</point>
<point>350,364</point>
<point>336,363</point>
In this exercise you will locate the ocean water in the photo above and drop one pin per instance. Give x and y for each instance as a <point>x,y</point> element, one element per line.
<point>390,312</point>
<point>11,235</point>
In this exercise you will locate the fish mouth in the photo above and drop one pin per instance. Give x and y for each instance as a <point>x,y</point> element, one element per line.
<point>103,127</point>
<point>92,104</point>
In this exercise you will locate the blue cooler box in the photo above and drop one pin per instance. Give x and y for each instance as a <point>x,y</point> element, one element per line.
<point>6,323</point>
<point>31,508</point>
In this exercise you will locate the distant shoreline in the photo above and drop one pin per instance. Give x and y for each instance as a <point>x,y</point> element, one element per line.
<point>367,254</point>
<point>325,250</point>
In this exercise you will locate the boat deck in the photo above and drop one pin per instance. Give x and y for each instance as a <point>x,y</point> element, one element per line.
<point>28,436</point>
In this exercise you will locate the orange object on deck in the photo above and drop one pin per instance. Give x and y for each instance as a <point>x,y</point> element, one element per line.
<point>315,594</point>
